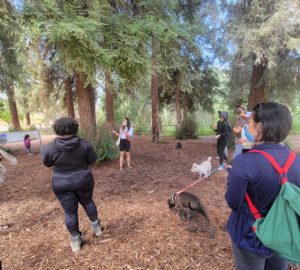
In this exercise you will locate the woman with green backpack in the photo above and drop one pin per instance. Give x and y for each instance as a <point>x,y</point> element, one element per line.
<point>264,195</point>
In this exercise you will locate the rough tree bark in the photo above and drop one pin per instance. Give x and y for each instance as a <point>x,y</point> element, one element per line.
<point>27,113</point>
<point>15,122</point>
<point>28,120</point>
<point>91,91</point>
<point>257,88</point>
<point>69,97</point>
<point>86,98</point>
<point>109,100</point>
<point>154,95</point>
<point>177,97</point>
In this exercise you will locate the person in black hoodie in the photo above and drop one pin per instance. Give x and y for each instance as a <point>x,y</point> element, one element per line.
<point>72,180</point>
<point>223,134</point>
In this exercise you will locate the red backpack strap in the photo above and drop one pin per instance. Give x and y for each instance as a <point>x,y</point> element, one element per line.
<point>282,171</point>
<point>252,207</point>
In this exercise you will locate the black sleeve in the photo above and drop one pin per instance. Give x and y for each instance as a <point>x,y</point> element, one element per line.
<point>227,129</point>
<point>91,156</point>
<point>47,157</point>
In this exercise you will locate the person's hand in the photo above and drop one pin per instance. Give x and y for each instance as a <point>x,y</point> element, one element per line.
<point>228,166</point>
<point>237,130</point>
<point>217,137</point>
<point>242,140</point>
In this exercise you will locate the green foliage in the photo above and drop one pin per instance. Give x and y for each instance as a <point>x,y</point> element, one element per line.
<point>4,113</point>
<point>188,129</point>
<point>265,33</point>
<point>104,145</point>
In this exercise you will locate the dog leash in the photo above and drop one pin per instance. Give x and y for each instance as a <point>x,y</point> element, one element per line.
<point>189,186</point>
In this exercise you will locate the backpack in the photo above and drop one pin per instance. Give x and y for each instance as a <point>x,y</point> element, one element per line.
<point>279,230</point>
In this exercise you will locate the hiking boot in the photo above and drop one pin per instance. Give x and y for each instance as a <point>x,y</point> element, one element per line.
<point>75,243</point>
<point>96,228</point>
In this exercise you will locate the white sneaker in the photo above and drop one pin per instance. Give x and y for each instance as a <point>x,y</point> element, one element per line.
<point>75,243</point>
<point>220,167</point>
<point>96,228</point>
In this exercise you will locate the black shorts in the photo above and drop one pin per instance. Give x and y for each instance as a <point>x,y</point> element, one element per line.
<point>124,145</point>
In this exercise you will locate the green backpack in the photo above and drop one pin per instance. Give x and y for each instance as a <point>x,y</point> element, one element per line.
<point>279,230</point>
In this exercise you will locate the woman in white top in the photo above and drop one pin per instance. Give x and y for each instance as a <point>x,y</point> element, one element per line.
<point>125,134</point>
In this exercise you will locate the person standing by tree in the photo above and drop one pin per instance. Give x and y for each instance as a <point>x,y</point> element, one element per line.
<point>72,180</point>
<point>125,137</point>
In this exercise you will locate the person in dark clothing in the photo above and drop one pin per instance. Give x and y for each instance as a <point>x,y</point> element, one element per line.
<point>72,180</point>
<point>223,134</point>
<point>269,124</point>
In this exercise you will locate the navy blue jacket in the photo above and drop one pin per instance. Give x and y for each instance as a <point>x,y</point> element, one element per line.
<point>253,173</point>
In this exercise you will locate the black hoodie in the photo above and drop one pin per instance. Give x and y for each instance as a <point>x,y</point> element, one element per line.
<point>69,154</point>
<point>223,128</point>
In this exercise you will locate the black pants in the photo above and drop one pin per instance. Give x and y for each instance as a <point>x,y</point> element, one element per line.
<point>245,260</point>
<point>71,189</point>
<point>221,145</point>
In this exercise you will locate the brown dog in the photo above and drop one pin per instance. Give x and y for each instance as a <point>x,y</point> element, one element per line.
<point>190,207</point>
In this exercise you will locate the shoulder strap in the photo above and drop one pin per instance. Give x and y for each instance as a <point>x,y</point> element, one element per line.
<point>282,171</point>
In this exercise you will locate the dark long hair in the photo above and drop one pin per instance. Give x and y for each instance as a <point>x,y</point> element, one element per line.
<point>26,137</point>
<point>276,121</point>
<point>128,122</point>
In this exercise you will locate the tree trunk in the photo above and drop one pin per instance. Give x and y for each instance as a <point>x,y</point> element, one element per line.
<point>177,101</point>
<point>15,122</point>
<point>28,121</point>
<point>185,112</point>
<point>85,97</point>
<point>69,97</point>
<point>109,101</point>
<point>154,95</point>
<point>92,101</point>
<point>27,114</point>
<point>257,89</point>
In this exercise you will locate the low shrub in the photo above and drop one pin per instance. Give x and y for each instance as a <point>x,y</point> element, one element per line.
<point>188,129</point>
<point>104,144</point>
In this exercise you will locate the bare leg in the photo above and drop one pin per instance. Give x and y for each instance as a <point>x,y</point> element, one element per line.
<point>121,160</point>
<point>128,158</point>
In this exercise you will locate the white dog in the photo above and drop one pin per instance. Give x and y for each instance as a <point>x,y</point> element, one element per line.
<point>202,169</point>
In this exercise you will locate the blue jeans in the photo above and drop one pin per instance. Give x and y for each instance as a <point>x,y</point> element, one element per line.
<point>245,260</point>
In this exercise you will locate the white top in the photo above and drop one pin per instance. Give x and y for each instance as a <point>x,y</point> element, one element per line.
<point>123,132</point>
<point>246,144</point>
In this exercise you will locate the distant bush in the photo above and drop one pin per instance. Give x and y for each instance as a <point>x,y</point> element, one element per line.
<point>31,127</point>
<point>7,150</point>
<point>11,129</point>
<point>188,129</point>
<point>104,144</point>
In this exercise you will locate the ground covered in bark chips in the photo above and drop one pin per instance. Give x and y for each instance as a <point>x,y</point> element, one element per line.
<point>140,230</point>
